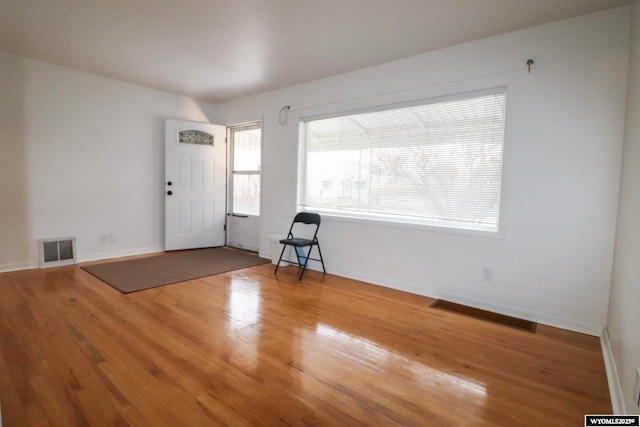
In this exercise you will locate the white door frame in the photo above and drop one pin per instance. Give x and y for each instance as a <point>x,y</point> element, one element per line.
<point>243,231</point>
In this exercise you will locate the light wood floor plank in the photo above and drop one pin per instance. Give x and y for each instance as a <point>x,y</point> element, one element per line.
<point>247,348</point>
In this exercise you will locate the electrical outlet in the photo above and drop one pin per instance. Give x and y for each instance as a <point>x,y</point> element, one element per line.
<point>636,389</point>
<point>114,238</point>
<point>104,239</point>
<point>487,274</point>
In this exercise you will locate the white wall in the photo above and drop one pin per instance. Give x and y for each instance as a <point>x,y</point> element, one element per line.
<point>81,155</point>
<point>564,152</point>
<point>623,322</point>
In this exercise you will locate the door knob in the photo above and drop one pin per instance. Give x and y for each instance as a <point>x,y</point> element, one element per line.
<point>169,193</point>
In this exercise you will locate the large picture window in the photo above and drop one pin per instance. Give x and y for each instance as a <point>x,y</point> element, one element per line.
<point>437,162</point>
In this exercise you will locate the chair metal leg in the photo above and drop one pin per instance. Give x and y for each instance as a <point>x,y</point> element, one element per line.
<point>306,256</point>
<point>279,259</point>
<point>321,260</point>
<point>306,261</point>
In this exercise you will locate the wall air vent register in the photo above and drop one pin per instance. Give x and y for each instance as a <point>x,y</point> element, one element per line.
<point>56,252</point>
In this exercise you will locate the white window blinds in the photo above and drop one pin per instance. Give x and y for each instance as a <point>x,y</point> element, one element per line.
<point>438,163</point>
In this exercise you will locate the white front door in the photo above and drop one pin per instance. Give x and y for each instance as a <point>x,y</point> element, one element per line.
<point>195,155</point>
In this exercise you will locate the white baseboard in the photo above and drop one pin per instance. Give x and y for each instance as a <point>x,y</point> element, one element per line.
<point>6,268</point>
<point>615,390</point>
<point>244,246</point>
<point>120,254</point>
<point>542,318</point>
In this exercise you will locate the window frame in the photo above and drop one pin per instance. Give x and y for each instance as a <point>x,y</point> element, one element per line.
<point>500,86</point>
<point>231,167</point>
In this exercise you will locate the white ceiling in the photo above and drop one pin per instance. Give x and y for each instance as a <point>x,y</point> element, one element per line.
<point>216,50</point>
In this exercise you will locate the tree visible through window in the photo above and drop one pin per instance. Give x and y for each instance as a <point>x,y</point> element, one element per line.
<point>437,163</point>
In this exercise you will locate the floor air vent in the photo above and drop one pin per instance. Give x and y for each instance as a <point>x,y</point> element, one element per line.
<point>489,316</point>
<point>57,251</point>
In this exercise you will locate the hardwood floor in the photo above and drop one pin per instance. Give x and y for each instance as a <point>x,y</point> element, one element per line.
<point>244,348</point>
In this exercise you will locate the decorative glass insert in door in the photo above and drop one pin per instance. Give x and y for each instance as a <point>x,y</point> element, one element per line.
<point>192,136</point>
